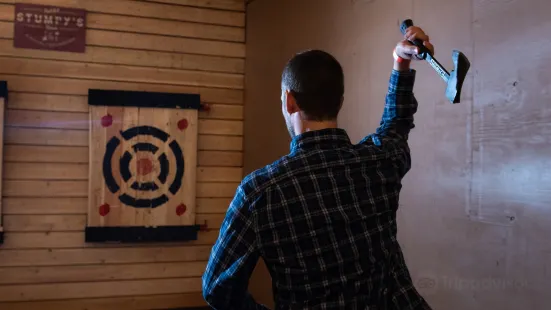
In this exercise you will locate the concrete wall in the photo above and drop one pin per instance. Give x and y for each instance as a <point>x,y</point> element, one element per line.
<point>474,218</point>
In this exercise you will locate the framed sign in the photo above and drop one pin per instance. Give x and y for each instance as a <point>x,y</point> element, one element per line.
<point>49,28</point>
<point>143,160</point>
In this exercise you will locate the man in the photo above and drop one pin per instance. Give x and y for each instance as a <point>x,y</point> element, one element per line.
<point>323,217</point>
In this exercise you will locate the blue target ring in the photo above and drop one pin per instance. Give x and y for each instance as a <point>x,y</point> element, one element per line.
<point>126,158</point>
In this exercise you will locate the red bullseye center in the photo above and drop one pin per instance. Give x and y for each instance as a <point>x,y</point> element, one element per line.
<point>145,166</point>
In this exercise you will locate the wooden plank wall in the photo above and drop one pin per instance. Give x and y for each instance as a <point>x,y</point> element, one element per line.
<point>195,46</point>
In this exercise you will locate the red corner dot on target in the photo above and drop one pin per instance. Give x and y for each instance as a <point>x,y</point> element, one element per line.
<point>104,209</point>
<point>182,124</point>
<point>107,120</point>
<point>181,209</point>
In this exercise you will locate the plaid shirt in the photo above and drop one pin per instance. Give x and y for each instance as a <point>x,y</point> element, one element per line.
<point>323,218</point>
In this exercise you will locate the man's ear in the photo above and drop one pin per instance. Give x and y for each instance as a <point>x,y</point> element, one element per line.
<point>291,103</point>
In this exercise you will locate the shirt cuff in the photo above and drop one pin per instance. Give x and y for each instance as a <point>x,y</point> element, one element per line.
<point>401,81</point>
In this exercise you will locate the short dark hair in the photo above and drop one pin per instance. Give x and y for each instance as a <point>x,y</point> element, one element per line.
<point>316,80</point>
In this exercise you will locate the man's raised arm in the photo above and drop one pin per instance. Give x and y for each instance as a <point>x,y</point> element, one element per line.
<point>400,105</point>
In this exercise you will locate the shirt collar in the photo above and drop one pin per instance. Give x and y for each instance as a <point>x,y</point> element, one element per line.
<point>329,137</point>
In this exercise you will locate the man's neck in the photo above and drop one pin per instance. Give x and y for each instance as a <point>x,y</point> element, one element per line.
<point>306,126</point>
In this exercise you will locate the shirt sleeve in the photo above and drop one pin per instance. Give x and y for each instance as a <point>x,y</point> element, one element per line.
<point>232,260</point>
<point>397,119</point>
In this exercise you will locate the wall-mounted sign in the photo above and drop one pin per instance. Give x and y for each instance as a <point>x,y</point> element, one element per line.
<point>50,28</point>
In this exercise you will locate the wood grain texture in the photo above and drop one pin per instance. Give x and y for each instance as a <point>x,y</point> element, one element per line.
<point>150,26</point>
<point>79,155</point>
<point>187,46</point>
<point>139,58</point>
<point>68,274</point>
<point>79,189</point>
<point>65,86</point>
<point>151,42</point>
<point>65,222</point>
<point>70,240</point>
<point>155,9</point>
<point>234,5</point>
<point>102,256</point>
<point>80,121</point>
<point>77,70</point>
<point>68,103</point>
<point>65,137</point>
<point>48,102</point>
<point>162,301</point>
<point>99,289</point>
<point>44,206</point>
<point>79,205</point>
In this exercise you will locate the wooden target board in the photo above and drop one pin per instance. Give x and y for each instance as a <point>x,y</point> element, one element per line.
<point>143,159</point>
<point>3,101</point>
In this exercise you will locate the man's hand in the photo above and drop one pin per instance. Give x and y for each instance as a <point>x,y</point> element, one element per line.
<point>407,51</point>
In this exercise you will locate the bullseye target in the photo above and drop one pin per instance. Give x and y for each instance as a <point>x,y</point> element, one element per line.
<point>153,165</point>
<point>143,160</point>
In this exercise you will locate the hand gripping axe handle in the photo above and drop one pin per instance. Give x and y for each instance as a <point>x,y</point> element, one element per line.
<point>455,79</point>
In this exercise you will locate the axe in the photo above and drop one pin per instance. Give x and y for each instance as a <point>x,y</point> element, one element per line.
<point>455,79</point>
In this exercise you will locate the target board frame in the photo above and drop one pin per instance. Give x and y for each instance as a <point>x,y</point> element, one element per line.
<point>3,102</point>
<point>143,161</point>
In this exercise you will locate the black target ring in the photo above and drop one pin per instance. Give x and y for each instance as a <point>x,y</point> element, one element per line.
<point>124,164</point>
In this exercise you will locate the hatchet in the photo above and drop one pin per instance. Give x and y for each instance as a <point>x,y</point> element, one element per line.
<point>455,79</point>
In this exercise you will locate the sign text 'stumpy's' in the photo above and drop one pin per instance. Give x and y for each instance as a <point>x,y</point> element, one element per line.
<point>49,19</point>
<point>49,28</point>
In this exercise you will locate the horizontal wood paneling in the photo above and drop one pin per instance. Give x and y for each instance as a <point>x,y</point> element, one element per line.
<point>46,154</point>
<point>183,46</point>
<point>64,137</point>
<point>41,205</point>
<point>67,206</point>
<point>29,223</point>
<point>151,42</point>
<point>159,11</point>
<point>68,103</point>
<point>61,240</point>
<point>41,222</point>
<point>219,174</point>
<point>165,27</point>
<point>81,121</point>
<point>220,143</point>
<point>98,289</point>
<point>122,56</point>
<point>165,301</point>
<point>41,136</point>
<point>47,102</point>
<point>65,274</point>
<point>219,159</point>
<point>213,205</point>
<point>80,154</point>
<point>64,86</point>
<point>151,26</point>
<point>106,255</point>
<point>49,171</point>
<point>236,5</point>
<point>43,188</point>
<point>64,69</point>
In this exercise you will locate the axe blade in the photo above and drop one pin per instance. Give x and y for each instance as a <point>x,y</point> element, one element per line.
<point>457,76</point>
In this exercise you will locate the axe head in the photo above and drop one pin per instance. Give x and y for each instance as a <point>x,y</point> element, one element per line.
<point>457,76</point>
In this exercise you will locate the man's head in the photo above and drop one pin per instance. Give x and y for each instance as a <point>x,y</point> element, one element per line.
<point>312,89</point>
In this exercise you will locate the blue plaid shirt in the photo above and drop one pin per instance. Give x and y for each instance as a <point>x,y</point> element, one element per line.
<point>323,218</point>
